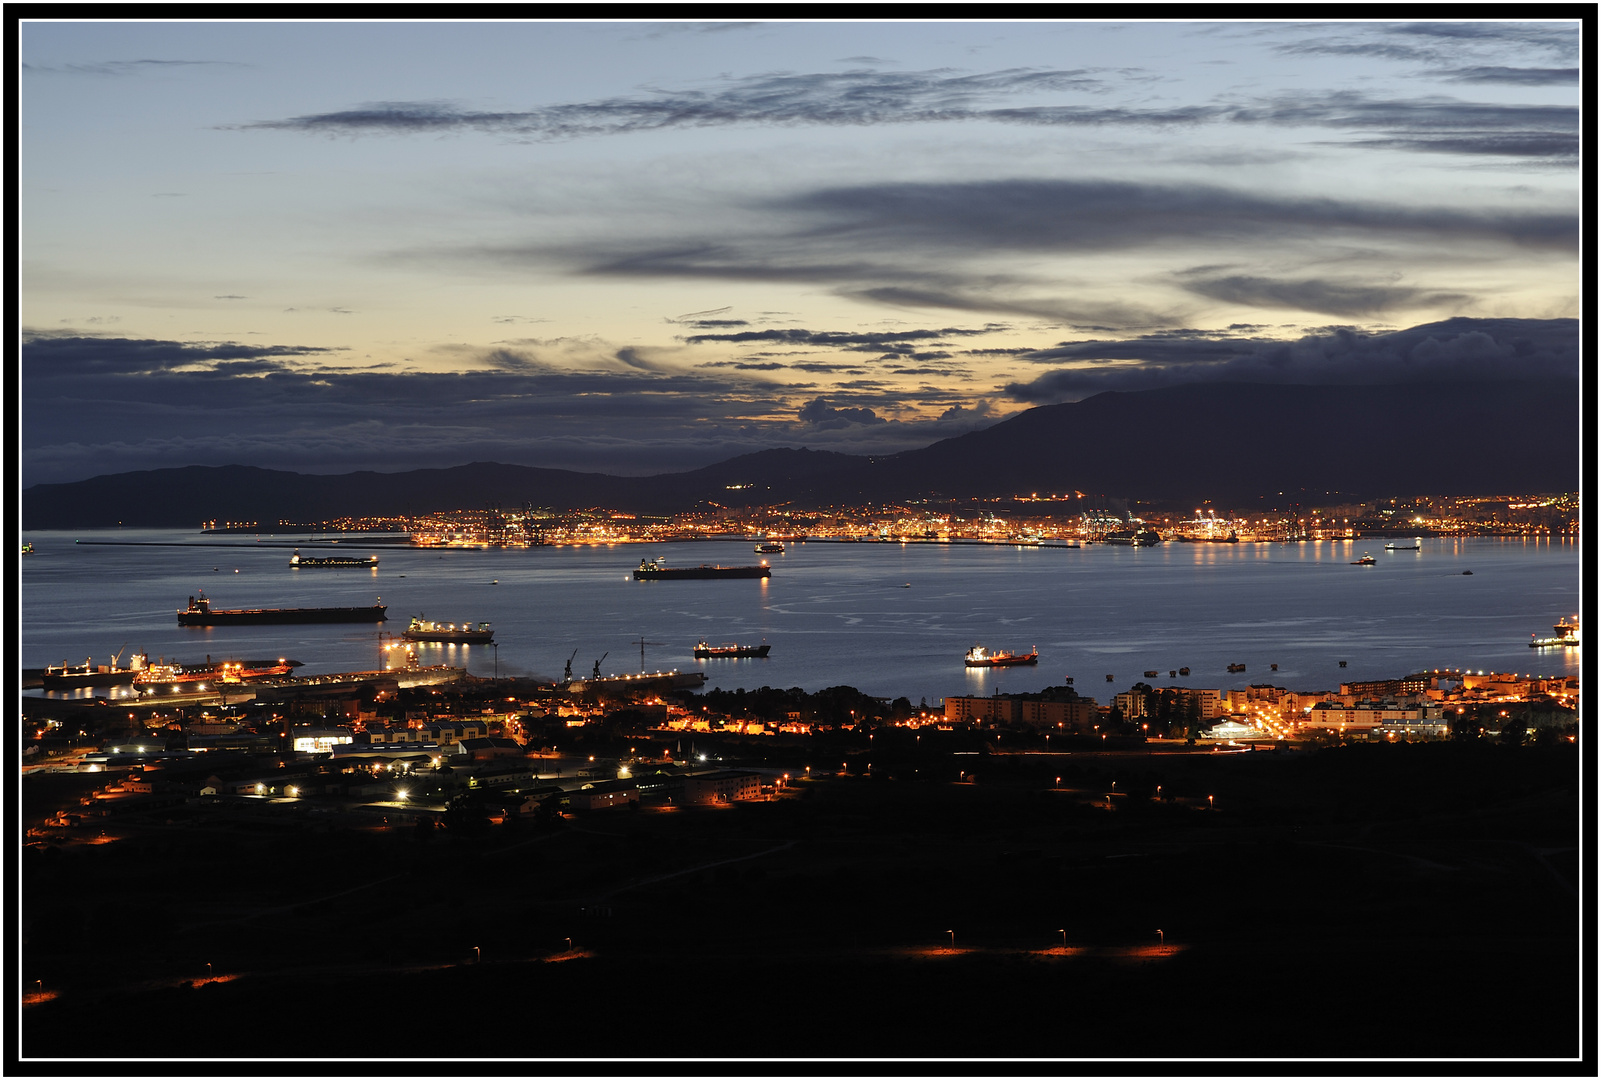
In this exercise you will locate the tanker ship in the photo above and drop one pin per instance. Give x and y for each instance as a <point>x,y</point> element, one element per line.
<point>201,613</point>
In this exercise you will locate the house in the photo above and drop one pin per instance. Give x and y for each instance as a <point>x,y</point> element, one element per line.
<point>604,795</point>
<point>723,786</point>
<point>489,747</point>
<point>1233,729</point>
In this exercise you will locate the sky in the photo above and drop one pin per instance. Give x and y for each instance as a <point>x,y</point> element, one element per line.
<point>637,247</point>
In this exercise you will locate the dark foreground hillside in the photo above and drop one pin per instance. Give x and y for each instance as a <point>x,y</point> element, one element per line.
<point>1384,901</point>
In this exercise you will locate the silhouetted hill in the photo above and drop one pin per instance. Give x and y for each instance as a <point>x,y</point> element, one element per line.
<point>1235,442</point>
<point>1230,443</point>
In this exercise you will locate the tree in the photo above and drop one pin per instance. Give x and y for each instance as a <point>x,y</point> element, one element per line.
<point>465,815</point>
<point>1514,729</point>
<point>1192,717</point>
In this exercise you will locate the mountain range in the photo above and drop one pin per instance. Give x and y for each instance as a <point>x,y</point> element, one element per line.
<point>1240,445</point>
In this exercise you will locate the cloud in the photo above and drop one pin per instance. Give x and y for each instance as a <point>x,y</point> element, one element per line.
<point>1348,299</point>
<point>894,341</point>
<point>1092,215</point>
<point>1435,43</point>
<point>99,405</point>
<point>1513,76</point>
<point>1454,350</point>
<point>122,67</point>
<point>866,97</point>
<point>60,355</point>
<point>818,413</point>
<point>954,246</point>
<point>1443,124</point>
<point>850,98</point>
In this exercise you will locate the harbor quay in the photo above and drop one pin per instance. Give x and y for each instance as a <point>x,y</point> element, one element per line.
<point>410,740</point>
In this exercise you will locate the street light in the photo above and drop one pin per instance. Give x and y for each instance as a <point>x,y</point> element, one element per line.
<point>569,944</point>
<point>952,933</point>
<point>476,954</point>
<point>1064,937</point>
<point>1161,939</point>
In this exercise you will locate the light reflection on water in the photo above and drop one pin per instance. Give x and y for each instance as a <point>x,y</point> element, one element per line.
<point>890,619</point>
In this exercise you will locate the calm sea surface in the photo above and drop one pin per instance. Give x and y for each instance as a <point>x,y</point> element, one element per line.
<point>888,619</point>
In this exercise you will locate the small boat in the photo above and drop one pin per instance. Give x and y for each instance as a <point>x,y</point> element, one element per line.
<point>1415,545</point>
<point>1152,674</point>
<point>27,549</point>
<point>978,656</point>
<point>771,547</point>
<point>1236,668</point>
<point>704,651</point>
<point>1365,560</point>
<point>1184,671</point>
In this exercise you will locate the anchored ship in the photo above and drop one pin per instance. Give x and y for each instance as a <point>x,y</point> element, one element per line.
<point>1133,538</point>
<point>1415,545</point>
<point>771,547</point>
<point>644,682</point>
<point>66,678</point>
<point>161,674</point>
<point>201,613</point>
<point>1567,636</point>
<point>657,570</point>
<point>298,560</point>
<point>704,651</point>
<point>1365,560</point>
<point>422,629</point>
<point>978,656</point>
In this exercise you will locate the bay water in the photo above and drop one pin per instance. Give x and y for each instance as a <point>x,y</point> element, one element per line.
<point>889,619</point>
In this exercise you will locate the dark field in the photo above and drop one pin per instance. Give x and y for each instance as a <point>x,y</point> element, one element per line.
<point>1368,901</point>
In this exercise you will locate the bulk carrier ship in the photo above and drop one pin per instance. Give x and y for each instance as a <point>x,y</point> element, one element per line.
<point>201,613</point>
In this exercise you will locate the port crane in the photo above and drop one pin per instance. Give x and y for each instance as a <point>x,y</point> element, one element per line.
<point>603,656</point>
<point>642,644</point>
<point>567,672</point>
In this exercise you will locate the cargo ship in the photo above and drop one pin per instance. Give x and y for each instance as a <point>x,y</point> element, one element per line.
<point>704,651</point>
<point>645,682</point>
<point>422,629</point>
<point>162,674</point>
<point>1134,538</point>
<point>1567,636</point>
<point>201,613</point>
<point>1365,560</point>
<point>978,656</point>
<point>1415,545</point>
<point>90,674</point>
<point>771,547</point>
<point>657,570</point>
<point>297,560</point>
